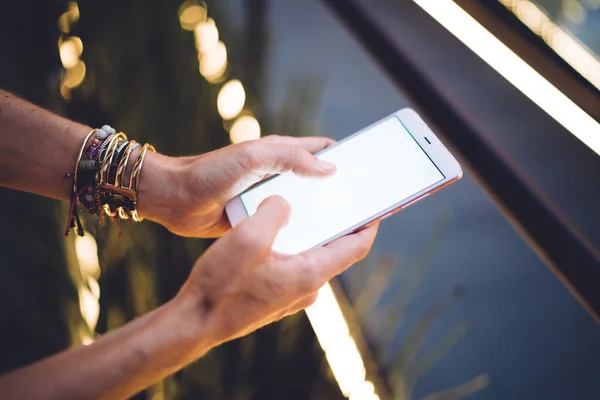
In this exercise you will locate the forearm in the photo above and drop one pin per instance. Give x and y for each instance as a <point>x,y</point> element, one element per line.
<point>120,363</point>
<point>37,148</point>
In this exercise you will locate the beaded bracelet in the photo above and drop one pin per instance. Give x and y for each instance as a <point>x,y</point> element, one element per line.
<point>99,176</point>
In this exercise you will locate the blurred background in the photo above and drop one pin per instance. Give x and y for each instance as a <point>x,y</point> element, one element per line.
<point>456,299</point>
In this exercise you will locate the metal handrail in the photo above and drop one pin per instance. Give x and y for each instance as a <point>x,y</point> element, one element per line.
<point>556,241</point>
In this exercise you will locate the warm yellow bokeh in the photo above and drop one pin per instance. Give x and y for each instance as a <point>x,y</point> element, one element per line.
<point>73,77</point>
<point>206,35</point>
<point>70,50</point>
<point>214,63</point>
<point>231,99</point>
<point>191,13</point>
<point>68,18</point>
<point>244,128</point>
<point>86,250</point>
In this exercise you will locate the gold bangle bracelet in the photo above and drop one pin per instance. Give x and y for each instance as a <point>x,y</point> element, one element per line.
<point>108,211</point>
<point>137,167</point>
<point>135,177</point>
<point>109,154</point>
<point>123,163</point>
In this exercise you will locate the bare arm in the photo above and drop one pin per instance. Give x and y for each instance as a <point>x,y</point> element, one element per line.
<point>117,365</point>
<point>37,148</point>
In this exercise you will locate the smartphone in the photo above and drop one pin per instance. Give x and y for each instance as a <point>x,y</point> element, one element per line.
<point>380,170</point>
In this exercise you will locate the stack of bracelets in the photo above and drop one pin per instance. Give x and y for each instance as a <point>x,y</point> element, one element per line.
<point>100,183</point>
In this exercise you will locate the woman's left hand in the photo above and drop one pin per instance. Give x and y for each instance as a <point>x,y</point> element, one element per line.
<point>188,195</point>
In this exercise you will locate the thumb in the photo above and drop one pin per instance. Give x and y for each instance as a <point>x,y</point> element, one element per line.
<point>241,250</point>
<point>251,241</point>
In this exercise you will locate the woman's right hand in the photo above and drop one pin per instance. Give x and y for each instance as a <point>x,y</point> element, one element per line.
<point>240,284</point>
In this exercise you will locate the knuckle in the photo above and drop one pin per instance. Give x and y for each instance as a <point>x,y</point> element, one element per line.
<point>248,153</point>
<point>296,153</point>
<point>275,288</point>
<point>311,281</point>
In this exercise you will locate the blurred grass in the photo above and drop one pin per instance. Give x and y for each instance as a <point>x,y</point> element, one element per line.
<point>382,319</point>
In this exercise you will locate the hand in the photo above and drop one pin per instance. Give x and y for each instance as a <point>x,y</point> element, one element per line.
<point>240,284</point>
<point>188,195</point>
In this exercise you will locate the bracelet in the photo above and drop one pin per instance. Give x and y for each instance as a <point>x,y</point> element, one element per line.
<point>75,193</point>
<point>99,178</point>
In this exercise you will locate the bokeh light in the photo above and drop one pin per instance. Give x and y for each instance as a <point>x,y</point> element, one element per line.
<point>231,99</point>
<point>191,13</point>
<point>73,77</point>
<point>573,11</point>
<point>68,18</point>
<point>65,92</point>
<point>214,63</point>
<point>70,50</point>
<point>86,250</point>
<point>206,35</point>
<point>89,307</point>
<point>244,128</point>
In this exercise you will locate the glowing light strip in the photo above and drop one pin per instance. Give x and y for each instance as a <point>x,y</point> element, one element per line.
<point>569,48</point>
<point>515,70</point>
<point>340,349</point>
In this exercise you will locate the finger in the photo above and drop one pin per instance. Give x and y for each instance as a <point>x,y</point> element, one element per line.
<point>315,267</point>
<point>274,158</point>
<point>312,144</point>
<point>251,241</point>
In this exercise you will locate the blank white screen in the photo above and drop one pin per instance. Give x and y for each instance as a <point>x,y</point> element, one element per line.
<point>376,169</point>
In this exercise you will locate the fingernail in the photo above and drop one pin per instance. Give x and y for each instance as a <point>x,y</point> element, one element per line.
<point>326,166</point>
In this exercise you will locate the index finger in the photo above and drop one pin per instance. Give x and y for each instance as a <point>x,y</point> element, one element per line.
<point>312,144</point>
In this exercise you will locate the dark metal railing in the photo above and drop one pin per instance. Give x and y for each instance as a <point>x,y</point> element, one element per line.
<point>556,241</point>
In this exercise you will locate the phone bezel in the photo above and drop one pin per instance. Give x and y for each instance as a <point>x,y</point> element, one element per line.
<point>427,140</point>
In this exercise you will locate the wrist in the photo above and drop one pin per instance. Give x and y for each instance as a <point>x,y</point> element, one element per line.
<point>159,188</point>
<point>182,315</point>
